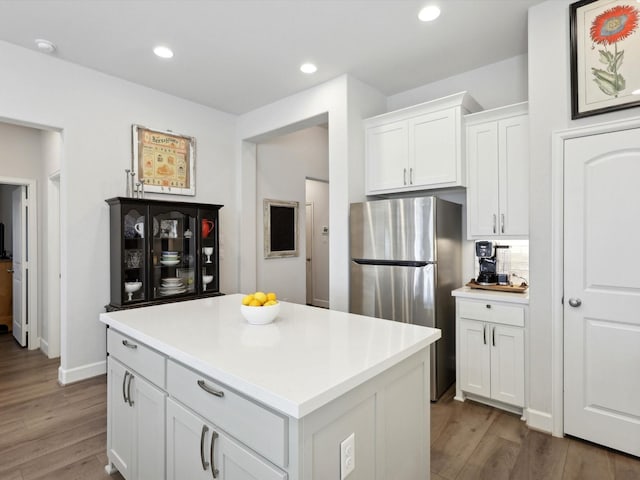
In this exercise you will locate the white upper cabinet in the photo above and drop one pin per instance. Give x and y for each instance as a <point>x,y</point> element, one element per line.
<point>498,162</point>
<point>419,147</point>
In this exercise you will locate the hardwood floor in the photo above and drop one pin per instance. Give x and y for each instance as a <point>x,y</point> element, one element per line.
<point>48,431</point>
<point>59,433</point>
<point>473,441</point>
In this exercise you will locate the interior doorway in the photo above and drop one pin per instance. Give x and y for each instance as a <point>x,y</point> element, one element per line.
<point>317,242</point>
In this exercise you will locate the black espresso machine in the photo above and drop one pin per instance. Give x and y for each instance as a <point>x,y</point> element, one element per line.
<point>487,262</point>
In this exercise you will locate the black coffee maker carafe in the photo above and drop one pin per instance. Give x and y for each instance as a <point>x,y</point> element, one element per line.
<point>487,263</point>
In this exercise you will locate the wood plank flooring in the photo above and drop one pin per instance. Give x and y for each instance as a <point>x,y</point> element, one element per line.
<point>473,441</point>
<point>59,433</point>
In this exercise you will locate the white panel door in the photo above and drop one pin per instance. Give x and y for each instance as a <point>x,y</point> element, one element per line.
<point>149,405</point>
<point>387,156</point>
<point>507,364</point>
<point>120,419</point>
<point>309,251</point>
<point>433,149</point>
<point>602,289</point>
<point>514,175</point>
<point>482,190</point>
<point>20,257</point>
<point>475,357</point>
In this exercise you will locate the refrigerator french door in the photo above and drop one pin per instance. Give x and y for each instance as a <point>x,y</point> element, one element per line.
<point>405,260</point>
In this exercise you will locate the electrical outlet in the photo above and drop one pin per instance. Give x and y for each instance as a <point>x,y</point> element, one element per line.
<point>347,456</point>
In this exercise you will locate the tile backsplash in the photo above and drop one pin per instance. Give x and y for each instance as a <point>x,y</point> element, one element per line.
<point>519,250</point>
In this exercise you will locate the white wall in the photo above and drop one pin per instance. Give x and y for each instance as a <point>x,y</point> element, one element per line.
<point>346,101</point>
<point>283,163</point>
<point>494,85</point>
<point>95,112</point>
<point>549,111</point>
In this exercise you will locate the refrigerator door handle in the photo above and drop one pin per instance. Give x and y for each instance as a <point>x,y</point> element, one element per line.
<point>395,263</point>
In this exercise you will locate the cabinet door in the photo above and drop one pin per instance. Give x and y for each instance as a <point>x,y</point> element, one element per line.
<point>475,357</point>
<point>238,463</point>
<point>513,134</point>
<point>482,188</point>
<point>120,420</point>
<point>188,442</point>
<point>149,411</point>
<point>387,156</point>
<point>507,364</point>
<point>434,150</point>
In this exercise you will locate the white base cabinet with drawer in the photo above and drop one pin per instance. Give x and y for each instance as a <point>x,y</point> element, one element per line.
<point>135,424</point>
<point>491,353</point>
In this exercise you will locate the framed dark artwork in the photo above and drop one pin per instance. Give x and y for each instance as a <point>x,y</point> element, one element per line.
<point>605,56</point>
<point>164,161</point>
<point>280,228</point>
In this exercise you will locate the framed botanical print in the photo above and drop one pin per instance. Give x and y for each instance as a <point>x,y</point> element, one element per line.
<point>605,56</point>
<point>164,161</point>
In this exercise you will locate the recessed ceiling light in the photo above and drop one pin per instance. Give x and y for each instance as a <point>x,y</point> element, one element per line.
<point>45,45</point>
<point>429,13</point>
<point>308,68</point>
<point>163,52</point>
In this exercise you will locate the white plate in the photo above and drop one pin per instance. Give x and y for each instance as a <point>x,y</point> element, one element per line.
<point>172,291</point>
<point>169,262</point>
<point>169,253</point>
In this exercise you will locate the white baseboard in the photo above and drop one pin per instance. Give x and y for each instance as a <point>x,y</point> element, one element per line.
<point>44,346</point>
<point>321,303</point>
<point>541,421</point>
<point>71,375</point>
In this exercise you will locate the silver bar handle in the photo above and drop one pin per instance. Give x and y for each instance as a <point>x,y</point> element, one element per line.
<point>124,388</point>
<point>208,389</point>
<point>484,334</point>
<point>493,336</point>
<point>129,390</point>
<point>126,343</point>
<point>502,222</point>
<point>205,464</point>
<point>214,470</point>
<point>411,176</point>
<point>494,223</point>
<point>404,176</point>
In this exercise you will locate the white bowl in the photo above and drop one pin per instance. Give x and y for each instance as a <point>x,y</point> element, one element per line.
<point>131,287</point>
<point>260,315</point>
<point>169,263</point>
<point>206,279</point>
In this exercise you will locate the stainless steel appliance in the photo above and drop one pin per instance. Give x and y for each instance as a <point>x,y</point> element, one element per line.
<point>487,263</point>
<point>405,260</point>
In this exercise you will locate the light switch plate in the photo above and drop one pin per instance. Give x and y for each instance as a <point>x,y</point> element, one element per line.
<point>347,456</point>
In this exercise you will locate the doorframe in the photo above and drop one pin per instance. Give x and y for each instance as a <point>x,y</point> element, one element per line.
<point>53,301</point>
<point>557,256</point>
<point>33,342</point>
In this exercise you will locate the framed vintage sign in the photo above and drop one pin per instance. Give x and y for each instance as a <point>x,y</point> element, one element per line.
<point>280,228</point>
<point>164,161</point>
<point>605,56</point>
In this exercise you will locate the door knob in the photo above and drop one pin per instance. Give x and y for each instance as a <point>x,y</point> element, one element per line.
<point>10,270</point>
<point>575,302</point>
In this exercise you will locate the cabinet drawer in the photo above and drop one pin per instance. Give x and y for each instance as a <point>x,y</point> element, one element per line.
<point>136,356</point>
<point>492,312</point>
<point>261,429</point>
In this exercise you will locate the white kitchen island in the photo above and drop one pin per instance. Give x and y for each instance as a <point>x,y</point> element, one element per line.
<point>194,392</point>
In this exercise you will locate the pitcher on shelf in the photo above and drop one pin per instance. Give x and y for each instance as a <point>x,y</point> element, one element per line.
<point>207,227</point>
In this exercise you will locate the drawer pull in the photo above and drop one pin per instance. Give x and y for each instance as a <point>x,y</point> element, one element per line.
<point>493,336</point>
<point>208,389</point>
<point>124,388</point>
<point>129,390</point>
<point>205,464</point>
<point>484,334</point>
<point>214,470</point>
<point>129,345</point>
<point>488,306</point>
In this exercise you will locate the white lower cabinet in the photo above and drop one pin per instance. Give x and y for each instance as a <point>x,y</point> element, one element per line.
<point>135,426</point>
<point>490,352</point>
<point>196,449</point>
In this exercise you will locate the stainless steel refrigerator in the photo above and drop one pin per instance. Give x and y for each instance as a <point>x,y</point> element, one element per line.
<point>405,260</point>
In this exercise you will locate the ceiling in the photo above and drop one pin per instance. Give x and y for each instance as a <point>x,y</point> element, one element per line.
<point>237,55</point>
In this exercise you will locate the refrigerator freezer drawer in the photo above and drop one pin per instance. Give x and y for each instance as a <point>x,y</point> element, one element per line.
<point>400,293</point>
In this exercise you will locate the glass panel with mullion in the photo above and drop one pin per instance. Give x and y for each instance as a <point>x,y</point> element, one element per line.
<point>173,254</point>
<point>209,250</point>
<point>134,254</point>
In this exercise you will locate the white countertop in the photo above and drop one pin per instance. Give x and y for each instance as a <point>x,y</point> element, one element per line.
<point>490,295</point>
<point>307,357</point>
